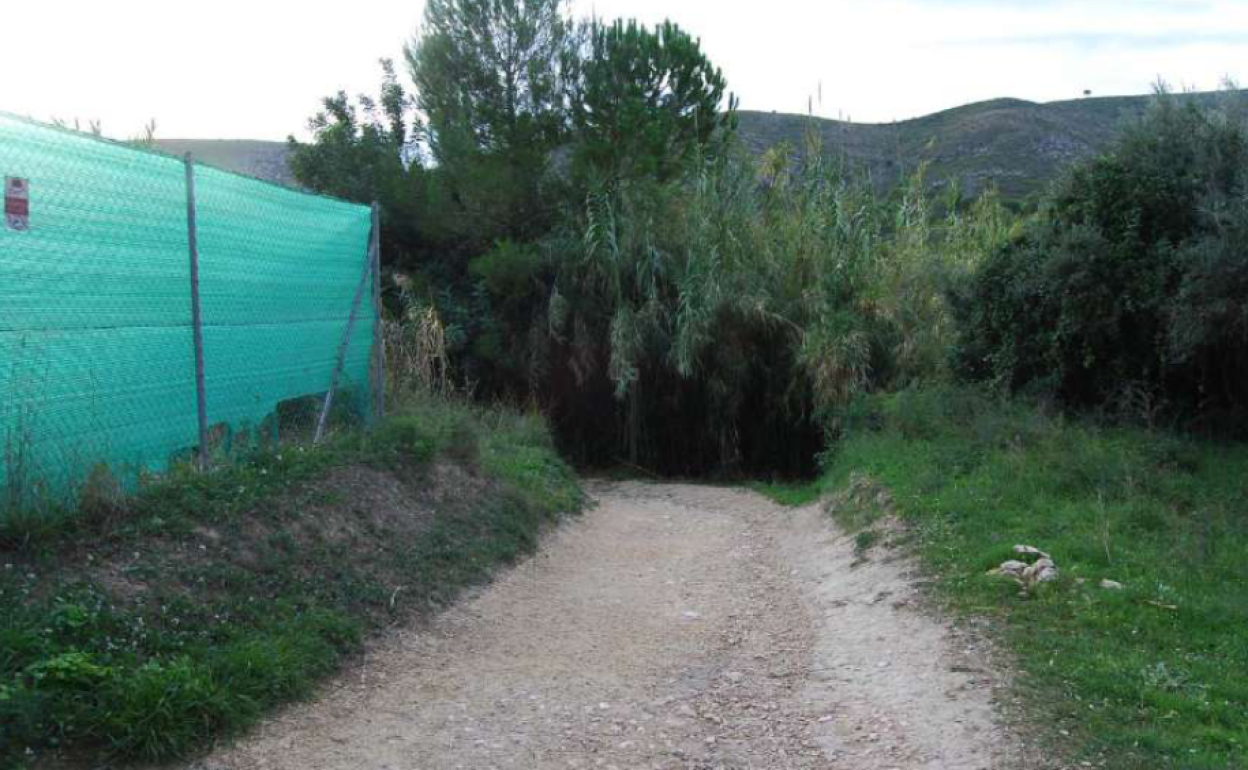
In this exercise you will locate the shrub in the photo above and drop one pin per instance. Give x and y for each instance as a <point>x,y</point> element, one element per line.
<point>1130,292</point>
<point>509,270</point>
<point>721,321</point>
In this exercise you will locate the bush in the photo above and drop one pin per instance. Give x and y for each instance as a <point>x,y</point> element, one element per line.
<point>509,270</point>
<point>716,324</point>
<point>1130,292</point>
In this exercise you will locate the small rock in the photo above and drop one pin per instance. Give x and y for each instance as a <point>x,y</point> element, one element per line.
<point>1041,572</point>
<point>1011,568</point>
<point>1028,575</point>
<point>1026,550</point>
<point>1111,585</point>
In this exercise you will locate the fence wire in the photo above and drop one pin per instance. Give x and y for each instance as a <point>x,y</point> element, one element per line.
<point>97,354</point>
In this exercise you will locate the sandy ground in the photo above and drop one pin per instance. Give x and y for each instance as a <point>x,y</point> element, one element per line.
<point>670,627</point>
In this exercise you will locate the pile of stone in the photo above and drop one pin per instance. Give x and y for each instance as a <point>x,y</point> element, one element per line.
<point>1032,568</point>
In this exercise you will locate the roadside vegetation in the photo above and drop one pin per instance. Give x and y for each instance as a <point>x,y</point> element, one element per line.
<point>1128,293</point>
<point>1151,672</point>
<point>146,630</point>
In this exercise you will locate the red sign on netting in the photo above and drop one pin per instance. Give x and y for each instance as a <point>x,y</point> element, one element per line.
<point>17,203</point>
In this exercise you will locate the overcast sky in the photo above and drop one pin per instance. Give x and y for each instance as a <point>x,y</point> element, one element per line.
<point>257,68</point>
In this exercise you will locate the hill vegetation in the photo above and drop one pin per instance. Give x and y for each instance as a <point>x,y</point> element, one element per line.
<point>1015,146</point>
<point>601,236</point>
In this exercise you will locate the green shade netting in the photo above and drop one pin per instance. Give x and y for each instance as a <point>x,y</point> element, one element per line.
<point>96,345</point>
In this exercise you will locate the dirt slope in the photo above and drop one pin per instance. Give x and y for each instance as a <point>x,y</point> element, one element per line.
<point>671,627</point>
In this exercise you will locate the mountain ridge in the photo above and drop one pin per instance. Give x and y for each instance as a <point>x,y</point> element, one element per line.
<point>1016,146</point>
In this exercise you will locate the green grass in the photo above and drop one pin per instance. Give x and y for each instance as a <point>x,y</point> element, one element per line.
<point>270,602</point>
<point>1152,676</point>
<point>789,494</point>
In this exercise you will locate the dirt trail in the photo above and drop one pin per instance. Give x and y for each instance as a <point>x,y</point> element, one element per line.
<point>670,627</point>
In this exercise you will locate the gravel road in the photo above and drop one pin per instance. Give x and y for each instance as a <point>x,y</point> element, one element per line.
<point>670,627</point>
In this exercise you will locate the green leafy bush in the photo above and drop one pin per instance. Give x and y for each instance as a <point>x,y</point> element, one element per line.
<point>720,323</point>
<point>509,270</point>
<point>1128,293</point>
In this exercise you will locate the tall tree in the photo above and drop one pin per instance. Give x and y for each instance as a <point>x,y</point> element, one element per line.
<point>365,151</point>
<point>646,100</point>
<point>489,79</point>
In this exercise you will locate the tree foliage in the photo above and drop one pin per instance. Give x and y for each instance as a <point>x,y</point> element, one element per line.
<point>490,80</point>
<point>724,322</point>
<point>646,100</point>
<point>597,242</point>
<point>1128,291</point>
<point>364,151</point>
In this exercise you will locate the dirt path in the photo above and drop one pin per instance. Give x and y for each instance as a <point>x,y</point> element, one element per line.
<point>671,627</point>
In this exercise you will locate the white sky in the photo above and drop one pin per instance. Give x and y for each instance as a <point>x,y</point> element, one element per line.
<point>258,68</point>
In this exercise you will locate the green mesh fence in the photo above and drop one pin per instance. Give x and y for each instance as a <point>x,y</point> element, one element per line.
<point>97,361</point>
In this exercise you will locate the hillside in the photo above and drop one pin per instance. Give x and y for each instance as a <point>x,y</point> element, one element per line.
<point>260,159</point>
<point>1017,145</point>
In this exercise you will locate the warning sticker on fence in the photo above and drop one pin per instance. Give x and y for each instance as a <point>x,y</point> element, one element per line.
<point>17,203</point>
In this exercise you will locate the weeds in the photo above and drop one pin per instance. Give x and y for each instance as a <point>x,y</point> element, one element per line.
<point>416,352</point>
<point>864,541</point>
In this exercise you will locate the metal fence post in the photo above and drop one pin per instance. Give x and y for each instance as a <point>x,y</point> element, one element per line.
<point>192,234</point>
<point>342,346</point>
<point>379,336</point>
